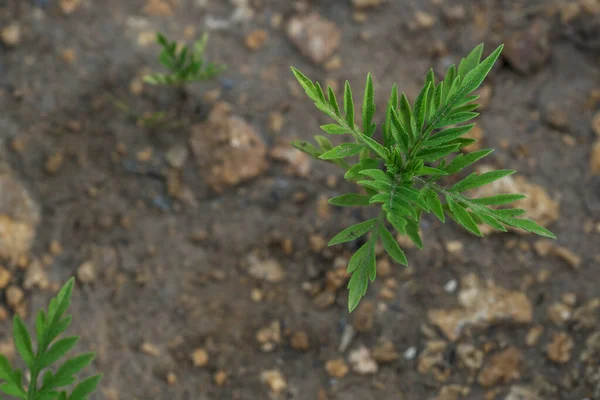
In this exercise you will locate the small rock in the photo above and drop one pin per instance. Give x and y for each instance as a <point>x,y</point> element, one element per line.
<point>385,352</point>
<point>454,14</point>
<point>423,20</point>
<point>469,357</point>
<point>324,299</point>
<point>336,368</point>
<point>567,255</point>
<point>171,378</point>
<point>361,4</point>
<point>36,276</point>
<point>269,270</point>
<point>453,392</point>
<point>595,159</point>
<point>176,156</point>
<point>299,341</point>
<point>19,216</point>
<point>529,50</point>
<point>533,335</point>
<point>556,117</point>
<point>14,296</point>
<point>588,315</point>
<point>559,350</point>
<point>269,337</point>
<point>431,358</point>
<point>451,286</point>
<point>364,317</point>
<point>596,124</point>
<point>11,34</point>
<point>5,277</point>
<point>454,247</point>
<point>502,368</point>
<point>298,163</point>
<point>86,273</point>
<point>158,8</point>
<point>275,380</point>
<point>220,378</point>
<point>228,150</point>
<point>362,361</point>
<point>55,248</point>
<point>482,306</point>
<point>559,313</point>
<point>150,349</point>
<point>54,162</point>
<point>410,353</point>
<point>256,39</point>
<point>315,37</point>
<point>200,358</point>
<point>333,64</point>
<point>521,393</point>
<point>276,121</point>
<point>69,6</point>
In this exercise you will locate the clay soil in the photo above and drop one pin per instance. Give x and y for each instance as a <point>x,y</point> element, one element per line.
<point>172,262</point>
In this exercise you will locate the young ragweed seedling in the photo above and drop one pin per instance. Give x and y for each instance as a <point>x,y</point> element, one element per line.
<point>187,65</point>
<point>53,386</point>
<point>418,142</point>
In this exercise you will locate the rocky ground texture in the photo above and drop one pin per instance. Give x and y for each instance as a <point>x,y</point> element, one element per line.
<point>199,239</point>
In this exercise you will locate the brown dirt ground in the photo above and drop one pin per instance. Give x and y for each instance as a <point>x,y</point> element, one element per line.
<point>159,295</point>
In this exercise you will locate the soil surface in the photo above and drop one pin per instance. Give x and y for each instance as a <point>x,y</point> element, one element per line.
<point>198,239</point>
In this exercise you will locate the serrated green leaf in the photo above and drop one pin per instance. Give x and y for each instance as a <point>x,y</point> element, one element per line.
<point>62,396</point>
<point>334,129</point>
<point>430,171</point>
<point>58,350</point>
<point>6,372</point>
<point>476,180</point>
<point>508,212</point>
<point>65,374</point>
<point>435,153</point>
<point>85,388</point>
<point>353,232</point>
<point>368,106</point>
<point>12,389</point>
<point>333,101</point>
<point>324,142</point>
<point>306,83</point>
<point>447,135</point>
<point>23,340</point>
<point>527,225</point>
<point>375,185</point>
<point>434,204</point>
<point>40,325</point>
<point>448,81</point>
<point>348,105</point>
<point>399,131</point>
<point>412,231</point>
<point>420,108</point>
<point>411,195</point>
<point>57,328</point>
<point>63,300</point>
<point>464,160</point>
<point>376,147</point>
<point>391,246</point>
<point>473,79</point>
<point>379,198</point>
<point>354,171</point>
<point>348,200</point>
<point>342,151</point>
<point>377,174</point>
<point>491,221</point>
<point>307,148</point>
<point>498,199</point>
<point>462,217</point>
<point>471,61</point>
<point>456,118</point>
<point>357,287</point>
<point>405,113</point>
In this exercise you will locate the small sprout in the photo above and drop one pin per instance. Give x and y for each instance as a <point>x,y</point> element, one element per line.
<point>420,145</point>
<point>186,65</point>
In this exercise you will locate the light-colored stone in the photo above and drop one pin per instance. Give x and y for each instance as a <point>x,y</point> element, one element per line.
<point>228,150</point>
<point>269,337</point>
<point>533,335</point>
<point>269,270</point>
<point>14,296</point>
<point>298,162</point>
<point>423,20</point>
<point>502,368</point>
<point>200,358</point>
<point>11,34</point>
<point>337,368</point>
<point>469,356</point>
<point>299,341</point>
<point>256,39</point>
<point>19,216</point>
<point>483,305</point>
<point>5,277</point>
<point>362,361</point>
<point>522,393</point>
<point>385,352</point>
<point>453,392</point>
<point>176,156</point>
<point>69,6</point>
<point>86,273</point>
<point>559,350</point>
<point>275,380</point>
<point>36,276</point>
<point>559,313</point>
<point>315,37</point>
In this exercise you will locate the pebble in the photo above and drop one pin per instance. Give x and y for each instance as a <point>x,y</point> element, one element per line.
<point>69,6</point>
<point>362,361</point>
<point>11,34</point>
<point>298,162</point>
<point>533,335</point>
<point>158,8</point>
<point>299,341</point>
<point>54,162</point>
<point>469,356</point>
<point>410,353</point>
<point>423,20</point>
<point>86,273</point>
<point>150,349</point>
<point>220,378</point>
<point>256,39</point>
<point>521,393</point>
<point>200,358</point>
<point>364,317</point>
<point>454,14</point>
<point>451,286</point>
<point>502,368</point>
<point>431,359</point>
<point>337,368</point>
<point>36,276</point>
<point>559,350</point>
<point>176,156</point>
<point>275,380</point>
<point>269,270</point>
<point>228,150</point>
<point>559,313</point>
<point>385,352</point>
<point>276,121</point>
<point>595,159</point>
<point>5,277</point>
<point>14,296</point>
<point>315,37</point>
<point>269,337</point>
<point>527,51</point>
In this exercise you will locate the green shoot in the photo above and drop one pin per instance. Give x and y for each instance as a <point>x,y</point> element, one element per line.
<point>420,146</point>
<point>40,360</point>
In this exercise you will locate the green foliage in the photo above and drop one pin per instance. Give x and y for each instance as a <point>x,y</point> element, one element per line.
<point>48,326</point>
<point>420,146</point>
<point>186,65</point>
